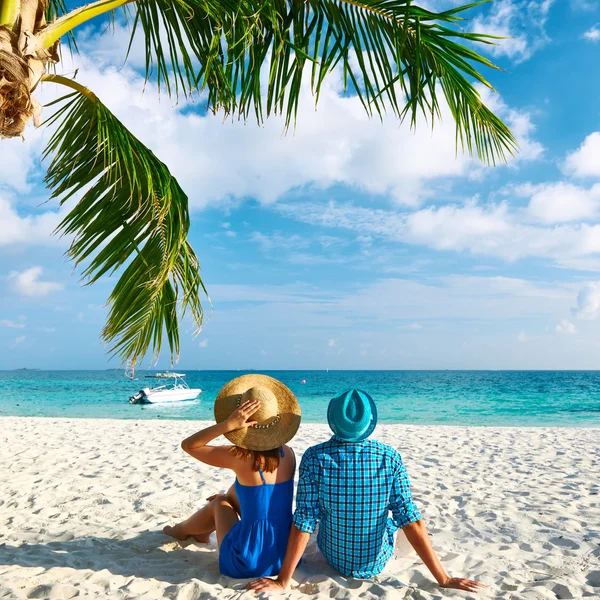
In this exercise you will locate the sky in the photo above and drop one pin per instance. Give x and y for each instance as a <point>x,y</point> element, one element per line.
<point>348,243</point>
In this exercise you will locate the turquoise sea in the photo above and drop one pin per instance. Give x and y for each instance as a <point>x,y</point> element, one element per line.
<point>518,398</point>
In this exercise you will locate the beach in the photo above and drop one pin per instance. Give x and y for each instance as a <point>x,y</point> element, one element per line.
<point>83,502</point>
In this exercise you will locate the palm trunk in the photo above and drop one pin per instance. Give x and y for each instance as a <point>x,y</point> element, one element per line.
<point>22,64</point>
<point>27,46</point>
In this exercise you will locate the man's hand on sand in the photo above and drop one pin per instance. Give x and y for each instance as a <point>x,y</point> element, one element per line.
<point>457,583</point>
<point>265,584</point>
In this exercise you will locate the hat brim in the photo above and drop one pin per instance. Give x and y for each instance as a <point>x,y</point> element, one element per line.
<point>356,438</point>
<point>253,438</point>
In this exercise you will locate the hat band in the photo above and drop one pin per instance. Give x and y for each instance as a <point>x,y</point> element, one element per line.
<point>268,425</point>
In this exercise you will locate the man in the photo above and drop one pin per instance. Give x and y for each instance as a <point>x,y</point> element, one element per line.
<point>349,485</point>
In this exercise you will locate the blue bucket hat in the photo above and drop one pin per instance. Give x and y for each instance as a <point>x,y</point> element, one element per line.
<point>352,415</point>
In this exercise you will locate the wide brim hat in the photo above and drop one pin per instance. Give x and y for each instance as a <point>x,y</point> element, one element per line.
<point>352,415</point>
<point>278,417</point>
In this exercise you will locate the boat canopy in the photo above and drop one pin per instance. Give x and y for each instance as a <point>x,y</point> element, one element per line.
<point>164,375</point>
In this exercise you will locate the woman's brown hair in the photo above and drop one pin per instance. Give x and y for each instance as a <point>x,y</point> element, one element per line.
<point>265,460</point>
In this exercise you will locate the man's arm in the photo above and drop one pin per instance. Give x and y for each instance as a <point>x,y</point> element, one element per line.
<point>297,543</point>
<point>418,537</point>
<point>407,517</point>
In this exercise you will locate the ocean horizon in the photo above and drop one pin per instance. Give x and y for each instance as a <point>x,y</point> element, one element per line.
<point>566,398</point>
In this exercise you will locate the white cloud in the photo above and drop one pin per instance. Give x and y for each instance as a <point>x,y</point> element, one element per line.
<point>456,227</point>
<point>203,343</point>
<point>28,283</point>
<point>226,161</point>
<point>27,230</point>
<point>12,324</point>
<point>19,340</point>
<point>394,302</point>
<point>584,4</point>
<point>80,316</point>
<point>588,302</point>
<point>562,202</point>
<point>279,241</point>
<point>49,329</point>
<point>566,327</point>
<point>520,123</point>
<point>523,129</point>
<point>585,162</point>
<point>593,34</point>
<point>487,313</point>
<point>522,337</point>
<point>303,249</point>
<point>483,229</point>
<point>19,160</point>
<point>411,326</point>
<point>521,21</point>
<point>331,343</point>
<point>297,293</point>
<point>109,46</point>
<point>330,241</point>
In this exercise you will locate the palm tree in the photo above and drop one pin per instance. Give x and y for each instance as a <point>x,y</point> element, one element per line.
<point>248,56</point>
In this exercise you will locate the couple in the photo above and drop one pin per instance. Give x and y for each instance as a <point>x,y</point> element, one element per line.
<point>348,486</point>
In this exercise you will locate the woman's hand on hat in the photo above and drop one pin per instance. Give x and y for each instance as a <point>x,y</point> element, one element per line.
<point>238,419</point>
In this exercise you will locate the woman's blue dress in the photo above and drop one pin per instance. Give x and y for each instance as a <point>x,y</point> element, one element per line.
<point>255,546</point>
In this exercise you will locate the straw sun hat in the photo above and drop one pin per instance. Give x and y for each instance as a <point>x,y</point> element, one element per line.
<point>278,416</point>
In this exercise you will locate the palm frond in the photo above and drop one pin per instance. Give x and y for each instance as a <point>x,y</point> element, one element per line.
<point>181,37</point>
<point>54,9</point>
<point>251,57</point>
<point>394,55</point>
<point>132,217</point>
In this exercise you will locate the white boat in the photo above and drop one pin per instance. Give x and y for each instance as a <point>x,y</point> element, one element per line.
<point>179,391</point>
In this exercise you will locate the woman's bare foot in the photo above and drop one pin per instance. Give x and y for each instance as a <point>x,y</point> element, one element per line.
<point>174,532</point>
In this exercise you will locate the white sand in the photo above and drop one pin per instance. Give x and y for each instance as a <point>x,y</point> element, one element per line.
<point>82,503</point>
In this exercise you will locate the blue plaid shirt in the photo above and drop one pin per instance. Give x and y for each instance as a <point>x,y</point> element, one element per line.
<point>350,489</point>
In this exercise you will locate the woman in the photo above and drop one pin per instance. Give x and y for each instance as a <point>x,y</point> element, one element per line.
<point>259,415</point>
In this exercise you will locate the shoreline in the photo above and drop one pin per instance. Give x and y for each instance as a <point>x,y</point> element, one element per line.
<point>205,423</point>
<point>84,500</point>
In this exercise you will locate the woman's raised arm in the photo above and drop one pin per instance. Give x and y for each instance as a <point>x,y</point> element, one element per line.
<point>220,456</point>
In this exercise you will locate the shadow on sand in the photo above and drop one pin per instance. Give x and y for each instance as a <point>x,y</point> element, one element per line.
<point>149,555</point>
<point>154,556</point>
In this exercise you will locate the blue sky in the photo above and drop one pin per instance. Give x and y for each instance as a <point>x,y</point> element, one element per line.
<point>349,243</point>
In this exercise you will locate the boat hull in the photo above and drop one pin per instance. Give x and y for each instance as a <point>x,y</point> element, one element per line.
<point>166,396</point>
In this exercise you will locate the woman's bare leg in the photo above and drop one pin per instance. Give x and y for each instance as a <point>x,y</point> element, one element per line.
<point>221,507</point>
<point>201,524</point>
<point>233,499</point>
<point>225,517</point>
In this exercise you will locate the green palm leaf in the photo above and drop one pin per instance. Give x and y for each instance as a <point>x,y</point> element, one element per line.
<point>132,217</point>
<point>252,57</point>
<point>55,9</point>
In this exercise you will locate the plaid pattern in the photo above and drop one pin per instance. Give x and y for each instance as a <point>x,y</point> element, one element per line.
<point>350,489</point>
